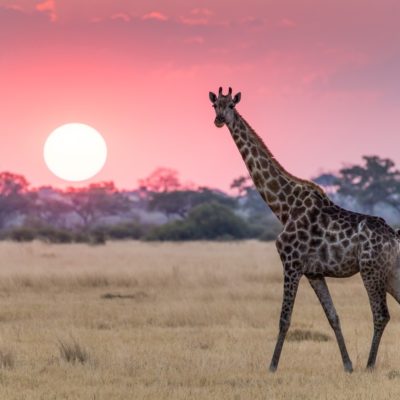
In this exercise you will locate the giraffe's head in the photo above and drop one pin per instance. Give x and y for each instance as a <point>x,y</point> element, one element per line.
<point>224,106</point>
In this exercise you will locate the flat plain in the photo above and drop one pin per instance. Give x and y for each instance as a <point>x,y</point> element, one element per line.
<point>131,320</point>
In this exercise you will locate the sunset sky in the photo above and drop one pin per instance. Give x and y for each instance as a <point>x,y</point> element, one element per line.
<point>320,82</point>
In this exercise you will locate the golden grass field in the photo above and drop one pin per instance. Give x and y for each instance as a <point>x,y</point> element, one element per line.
<point>177,321</point>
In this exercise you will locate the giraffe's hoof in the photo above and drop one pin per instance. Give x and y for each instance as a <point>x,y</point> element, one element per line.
<point>273,368</point>
<point>348,367</point>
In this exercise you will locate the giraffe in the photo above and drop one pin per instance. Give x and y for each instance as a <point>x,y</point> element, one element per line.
<point>319,239</point>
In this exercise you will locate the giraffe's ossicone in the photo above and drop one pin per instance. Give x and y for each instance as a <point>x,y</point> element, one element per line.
<point>319,239</point>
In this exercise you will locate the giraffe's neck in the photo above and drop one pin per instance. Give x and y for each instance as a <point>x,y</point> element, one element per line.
<point>279,189</point>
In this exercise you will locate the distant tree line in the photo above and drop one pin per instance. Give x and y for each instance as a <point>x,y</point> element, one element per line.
<point>163,208</point>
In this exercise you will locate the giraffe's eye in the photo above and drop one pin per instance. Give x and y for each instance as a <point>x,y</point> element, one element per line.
<point>231,105</point>
<point>214,105</point>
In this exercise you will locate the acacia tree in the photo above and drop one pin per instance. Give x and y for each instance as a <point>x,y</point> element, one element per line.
<point>376,181</point>
<point>97,200</point>
<point>54,211</point>
<point>250,197</point>
<point>164,192</point>
<point>242,184</point>
<point>180,202</point>
<point>161,180</point>
<point>328,181</point>
<point>14,196</point>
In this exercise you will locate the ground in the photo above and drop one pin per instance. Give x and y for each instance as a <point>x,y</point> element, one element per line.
<point>177,321</point>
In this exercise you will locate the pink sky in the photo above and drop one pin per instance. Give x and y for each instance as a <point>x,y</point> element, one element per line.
<point>319,82</point>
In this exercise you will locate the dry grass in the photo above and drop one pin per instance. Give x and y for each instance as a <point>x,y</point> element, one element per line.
<point>176,321</point>
<point>73,352</point>
<point>7,358</point>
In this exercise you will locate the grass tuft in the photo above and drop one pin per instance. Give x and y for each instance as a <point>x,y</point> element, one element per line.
<point>135,296</point>
<point>7,358</point>
<point>393,374</point>
<point>73,352</point>
<point>300,335</point>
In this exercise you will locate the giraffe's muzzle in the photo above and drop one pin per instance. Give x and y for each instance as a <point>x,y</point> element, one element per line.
<point>219,121</point>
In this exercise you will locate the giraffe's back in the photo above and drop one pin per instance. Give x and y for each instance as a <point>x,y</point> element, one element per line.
<point>328,240</point>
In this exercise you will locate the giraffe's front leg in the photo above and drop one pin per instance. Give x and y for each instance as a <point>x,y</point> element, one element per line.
<point>291,283</point>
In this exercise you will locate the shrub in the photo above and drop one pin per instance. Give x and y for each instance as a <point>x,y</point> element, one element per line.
<point>178,230</point>
<point>97,236</point>
<point>207,221</point>
<point>81,237</point>
<point>53,235</point>
<point>22,234</point>
<point>128,230</point>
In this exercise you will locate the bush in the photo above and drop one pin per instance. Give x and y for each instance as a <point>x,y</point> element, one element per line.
<point>46,234</point>
<point>53,235</point>
<point>97,236</point>
<point>21,234</point>
<point>81,237</point>
<point>178,230</point>
<point>128,230</point>
<point>208,221</point>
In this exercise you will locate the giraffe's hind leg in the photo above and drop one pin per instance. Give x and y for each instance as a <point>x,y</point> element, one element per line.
<point>374,280</point>
<point>321,289</point>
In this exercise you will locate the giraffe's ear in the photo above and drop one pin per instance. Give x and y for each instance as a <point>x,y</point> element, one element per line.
<point>212,96</point>
<point>237,97</point>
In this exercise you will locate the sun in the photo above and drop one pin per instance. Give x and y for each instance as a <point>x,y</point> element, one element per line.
<point>75,152</point>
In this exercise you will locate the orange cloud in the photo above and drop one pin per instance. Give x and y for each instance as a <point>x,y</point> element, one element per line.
<point>48,7</point>
<point>155,15</point>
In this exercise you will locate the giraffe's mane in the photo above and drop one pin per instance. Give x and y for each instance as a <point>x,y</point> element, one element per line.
<point>306,182</point>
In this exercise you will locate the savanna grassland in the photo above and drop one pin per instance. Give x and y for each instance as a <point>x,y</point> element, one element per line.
<point>132,320</point>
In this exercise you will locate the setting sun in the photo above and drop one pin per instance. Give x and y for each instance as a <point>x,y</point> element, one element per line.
<point>75,152</point>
